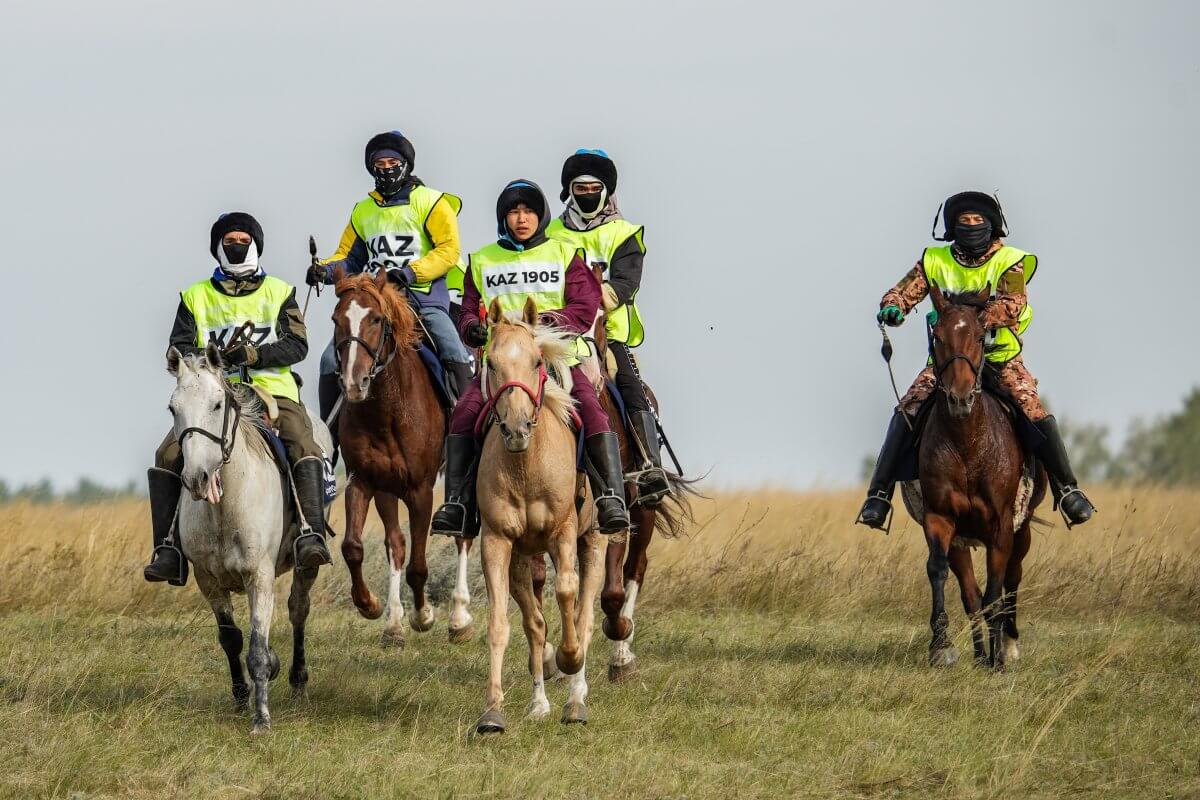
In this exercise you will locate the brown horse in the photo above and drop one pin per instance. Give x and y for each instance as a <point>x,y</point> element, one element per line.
<point>978,485</point>
<point>392,430</point>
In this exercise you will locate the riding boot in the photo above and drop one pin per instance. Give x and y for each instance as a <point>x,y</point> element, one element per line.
<point>652,480</point>
<point>878,508</point>
<point>1074,504</point>
<point>309,476</point>
<point>460,376</point>
<point>328,392</point>
<point>167,562</point>
<point>608,483</point>
<point>458,516</point>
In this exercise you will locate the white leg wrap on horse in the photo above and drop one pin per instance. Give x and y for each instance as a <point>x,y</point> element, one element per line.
<point>460,600</point>
<point>577,689</point>
<point>395,608</point>
<point>539,704</point>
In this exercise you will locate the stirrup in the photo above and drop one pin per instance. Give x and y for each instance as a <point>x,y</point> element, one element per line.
<point>653,498</point>
<point>180,578</point>
<point>887,520</point>
<point>1058,504</point>
<point>624,509</point>
<point>305,534</point>
<point>452,503</point>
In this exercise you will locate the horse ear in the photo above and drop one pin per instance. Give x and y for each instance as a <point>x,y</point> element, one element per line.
<point>174,359</point>
<point>986,294</point>
<point>381,278</point>
<point>212,356</point>
<point>530,313</point>
<point>494,312</point>
<point>939,300</point>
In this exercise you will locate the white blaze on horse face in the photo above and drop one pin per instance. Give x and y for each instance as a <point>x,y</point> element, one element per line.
<point>958,326</point>
<point>355,314</point>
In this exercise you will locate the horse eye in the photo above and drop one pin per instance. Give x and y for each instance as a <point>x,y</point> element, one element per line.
<point>217,406</point>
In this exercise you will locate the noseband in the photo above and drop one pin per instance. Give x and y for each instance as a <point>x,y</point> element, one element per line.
<point>378,362</point>
<point>975,368</point>
<point>489,407</point>
<point>229,426</point>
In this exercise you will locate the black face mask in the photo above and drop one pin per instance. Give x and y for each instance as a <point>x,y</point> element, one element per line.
<point>973,240</point>
<point>587,203</point>
<point>235,253</point>
<point>390,181</point>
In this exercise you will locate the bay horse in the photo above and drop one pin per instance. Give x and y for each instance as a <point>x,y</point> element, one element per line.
<point>235,523</point>
<point>527,493</point>
<point>976,486</point>
<point>392,430</point>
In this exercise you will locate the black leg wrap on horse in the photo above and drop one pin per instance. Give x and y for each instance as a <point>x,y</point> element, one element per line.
<point>310,548</point>
<point>877,510</point>
<point>458,515</point>
<point>608,482</point>
<point>1068,498</point>
<point>652,480</point>
<point>328,392</point>
<point>167,563</point>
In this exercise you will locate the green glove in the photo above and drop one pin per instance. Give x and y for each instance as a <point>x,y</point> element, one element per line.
<point>890,315</point>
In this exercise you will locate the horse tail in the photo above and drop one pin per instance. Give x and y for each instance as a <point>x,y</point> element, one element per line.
<point>675,511</point>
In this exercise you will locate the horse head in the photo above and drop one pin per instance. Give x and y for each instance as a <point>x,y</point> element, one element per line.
<point>958,347</point>
<point>202,404</point>
<point>371,324</point>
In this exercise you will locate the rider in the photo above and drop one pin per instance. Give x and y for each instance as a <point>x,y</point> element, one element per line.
<point>567,296</point>
<point>592,221</point>
<point>239,291</point>
<point>978,257</point>
<point>411,231</point>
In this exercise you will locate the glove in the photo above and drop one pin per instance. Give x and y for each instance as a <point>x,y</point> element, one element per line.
<point>890,315</point>
<point>609,296</point>
<point>316,275</point>
<point>241,355</point>
<point>476,334</point>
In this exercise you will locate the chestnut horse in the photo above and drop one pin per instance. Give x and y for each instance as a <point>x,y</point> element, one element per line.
<point>976,486</point>
<point>392,430</point>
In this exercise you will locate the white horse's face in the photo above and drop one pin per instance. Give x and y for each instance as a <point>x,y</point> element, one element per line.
<point>200,402</point>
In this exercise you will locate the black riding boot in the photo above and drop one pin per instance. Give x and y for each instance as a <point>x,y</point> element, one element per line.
<point>167,562</point>
<point>652,481</point>
<point>328,392</point>
<point>457,516</point>
<point>309,476</point>
<point>608,483</point>
<point>1073,503</point>
<point>878,507</point>
<point>460,376</point>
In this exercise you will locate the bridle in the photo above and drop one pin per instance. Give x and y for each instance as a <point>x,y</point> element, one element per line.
<point>229,425</point>
<point>491,399</point>
<point>378,362</point>
<point>975,368</point>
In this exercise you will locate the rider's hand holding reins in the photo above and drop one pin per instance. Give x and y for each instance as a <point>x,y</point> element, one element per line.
<point>890,315</point>
<point>316,275</point>
<point>240,355</point>
<point>476,334</point>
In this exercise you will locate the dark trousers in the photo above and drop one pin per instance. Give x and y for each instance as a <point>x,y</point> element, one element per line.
<point>628,382</point>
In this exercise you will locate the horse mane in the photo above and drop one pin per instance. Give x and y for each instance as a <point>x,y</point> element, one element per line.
<point>557,348</point>
<point>394,306</point>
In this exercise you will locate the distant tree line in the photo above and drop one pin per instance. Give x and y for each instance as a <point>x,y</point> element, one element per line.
<point>84,492</point>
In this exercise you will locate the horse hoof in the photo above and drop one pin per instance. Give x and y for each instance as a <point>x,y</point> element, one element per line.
<point>943,657</point>
<point>575,713</point>
<point>300,692</point>
<point>491,722</point>
<point>538,711</point>
<point>261,728</point>
<point>617,630</point>
<point>568,663</point>
<point>393,637</point>
<point>372,609</point>
<point>273,662</point>
<point>1010,650</point>
<point>462,635</point>
<point>623,672</point>
<point>422,619</point>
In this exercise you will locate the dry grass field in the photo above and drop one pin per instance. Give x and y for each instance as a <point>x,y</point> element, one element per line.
<point>782,654</point>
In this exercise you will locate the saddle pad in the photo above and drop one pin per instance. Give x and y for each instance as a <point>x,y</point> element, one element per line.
<point>438,374</point>
<point>281,461</point>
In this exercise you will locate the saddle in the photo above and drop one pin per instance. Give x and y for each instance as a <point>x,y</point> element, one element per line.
<point>281,462</point>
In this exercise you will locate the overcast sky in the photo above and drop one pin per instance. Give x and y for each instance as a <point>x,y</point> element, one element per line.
<point>786,159</point>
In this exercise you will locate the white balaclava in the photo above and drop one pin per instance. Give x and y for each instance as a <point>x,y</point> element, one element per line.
<point>246,266</point>
<point>586,214</point>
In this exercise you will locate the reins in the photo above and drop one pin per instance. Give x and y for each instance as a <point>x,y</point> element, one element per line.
<point>233,411</point>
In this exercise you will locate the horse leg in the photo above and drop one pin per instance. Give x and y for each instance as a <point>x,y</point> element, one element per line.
<point>521,586</point>
<point>387,507</point>
<point>591,575</point>
<point>1010,648</point>
<point>497,553</point>
<point>612,597</point>
<point>303,579</point>
<point>537,568</point>
<point>623,663</point>
<point>358,500</point>
<point>228,634</point>
<point>461,623</point>
<point>964,570</point>
<point>420,512</point>
<point>262,662</point>
<point>939,531</point>
<point>566,590</point>
<point>993,596</point>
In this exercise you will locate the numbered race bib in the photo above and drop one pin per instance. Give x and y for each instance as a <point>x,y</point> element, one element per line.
<point>393,250</point>
<point>524,278</point>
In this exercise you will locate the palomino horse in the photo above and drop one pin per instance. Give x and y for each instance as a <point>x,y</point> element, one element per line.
<point>391,430</point>
<point>975,484</point>
<point>237,527</point>
<point>527,490</point>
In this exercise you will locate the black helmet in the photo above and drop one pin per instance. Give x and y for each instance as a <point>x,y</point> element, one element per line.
<point>521,191</point>
<point>588,162</point>
<point>392,140</point>
<point>234,221</point>
<point>984,204</point>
